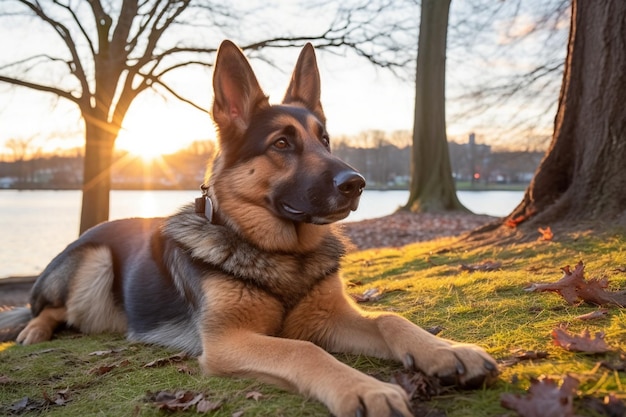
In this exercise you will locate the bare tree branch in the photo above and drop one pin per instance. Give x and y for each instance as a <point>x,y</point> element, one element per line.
<point>78,24</point>
<point>75,65</point>
<point>40,87</point>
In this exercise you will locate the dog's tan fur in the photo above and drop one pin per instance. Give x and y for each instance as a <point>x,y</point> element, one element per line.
<point>260,293</point>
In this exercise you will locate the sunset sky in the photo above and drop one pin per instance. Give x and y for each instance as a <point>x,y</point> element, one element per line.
<point>355,95</point>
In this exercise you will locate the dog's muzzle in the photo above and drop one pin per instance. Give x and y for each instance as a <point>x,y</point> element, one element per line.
<point>327,199</point>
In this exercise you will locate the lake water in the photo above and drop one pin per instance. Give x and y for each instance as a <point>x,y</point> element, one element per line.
<point>36,225</point>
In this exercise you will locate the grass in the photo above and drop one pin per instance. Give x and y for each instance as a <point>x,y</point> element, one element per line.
<point>423,282</point>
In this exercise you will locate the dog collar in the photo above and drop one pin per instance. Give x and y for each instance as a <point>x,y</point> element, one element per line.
<point>204,204</point>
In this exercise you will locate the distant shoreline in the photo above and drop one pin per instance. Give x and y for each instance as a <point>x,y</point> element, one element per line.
<point>15,291</point>
<point>460,186</point>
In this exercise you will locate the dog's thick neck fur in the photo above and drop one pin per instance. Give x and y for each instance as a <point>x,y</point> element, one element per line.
<point>279,273</point>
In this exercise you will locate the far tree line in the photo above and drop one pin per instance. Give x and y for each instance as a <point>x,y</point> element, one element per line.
<point>385,165</point>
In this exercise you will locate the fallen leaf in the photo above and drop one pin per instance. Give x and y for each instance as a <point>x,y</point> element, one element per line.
<point>573,287</point>
<point>417,385</point>
<point>369,296</point>
<point>254,395</point>
<point>101,370</point>
<point>173,401</point>
<point>237,414</point>
<point>106,352</point>
<point>579,343</point>
<point>435,330</point>
<point>20,406</point>
<point>5,380</point>
<point>484,266</point>
<point>204,406</point>
<point>526,355</point>
<point>514,222</point>
<point>598,314</point>
<point>100,352</point>
<point>523,355</point>
<point>620,269</point>
<point>179,357</point>
<point>544,399</point>
<point>61,398</point>
<point>546,234</point>
<point>610,406</point>
<point>617,364</point>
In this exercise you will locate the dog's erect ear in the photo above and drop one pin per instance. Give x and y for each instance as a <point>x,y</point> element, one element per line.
<point>236,89</point>
<point>305,83</point>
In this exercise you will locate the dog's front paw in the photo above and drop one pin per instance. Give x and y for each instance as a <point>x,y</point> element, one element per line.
<point>464,365</point>
<point>34,333</point>
<point>371,397</point>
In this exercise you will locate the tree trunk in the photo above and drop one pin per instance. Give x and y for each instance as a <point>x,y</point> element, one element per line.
<point>99,145</point>
<point>583,177</point>
<point>432,186</point>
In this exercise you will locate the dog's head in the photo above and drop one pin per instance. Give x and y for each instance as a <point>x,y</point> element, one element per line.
<point>274,170</point>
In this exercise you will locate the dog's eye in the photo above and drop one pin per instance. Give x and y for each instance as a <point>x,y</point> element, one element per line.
<point>326,141</point>
<point>281,143</point>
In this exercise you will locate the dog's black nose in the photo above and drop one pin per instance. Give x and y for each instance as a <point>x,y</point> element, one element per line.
<point>349,183</point>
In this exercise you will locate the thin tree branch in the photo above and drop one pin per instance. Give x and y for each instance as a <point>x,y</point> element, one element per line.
<point>76,67</point>
<point>40,87</point>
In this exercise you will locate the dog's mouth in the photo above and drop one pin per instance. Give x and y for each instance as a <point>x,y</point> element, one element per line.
<point>327,217</point>
<point>291,210</point>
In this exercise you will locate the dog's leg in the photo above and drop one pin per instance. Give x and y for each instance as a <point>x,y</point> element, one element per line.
<point>239,339</point>
<point>40,328</point>
<point>306,368</point>
<point>330,319</point>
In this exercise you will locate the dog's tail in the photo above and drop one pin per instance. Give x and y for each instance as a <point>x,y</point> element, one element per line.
<point>13,321</point>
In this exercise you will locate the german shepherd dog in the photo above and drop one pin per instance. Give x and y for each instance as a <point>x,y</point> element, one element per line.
<point>248,278</point>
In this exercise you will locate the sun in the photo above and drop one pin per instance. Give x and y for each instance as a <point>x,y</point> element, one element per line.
<point>148,151</point>
<point>153,128</point>
<point>147,140</point>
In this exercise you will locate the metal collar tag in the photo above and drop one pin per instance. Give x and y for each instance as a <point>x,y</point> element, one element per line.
<point>204,205</point>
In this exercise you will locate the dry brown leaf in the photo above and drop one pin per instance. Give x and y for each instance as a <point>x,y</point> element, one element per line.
<point>204,406</point>
<point>101,352</point>
<point>573,287</point>
<point>616,364</point>
<point>544,399</point>
<point>610,405</point>
<point>101,370</point>
<point>514,222</point>
<point>23,405</point>
<point>598,314</point>
<point>179,357</point>
<point>519,355</point>
<point>106,352</point>
<point>254,395</point>
<point>546,234</point>
<point>417,385</point>
<point>527,355</point>
<point>579,343</point>
<point>483,266</point>
<point>369,296</point>
<point>61,397</point>
<point>172,401</point>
